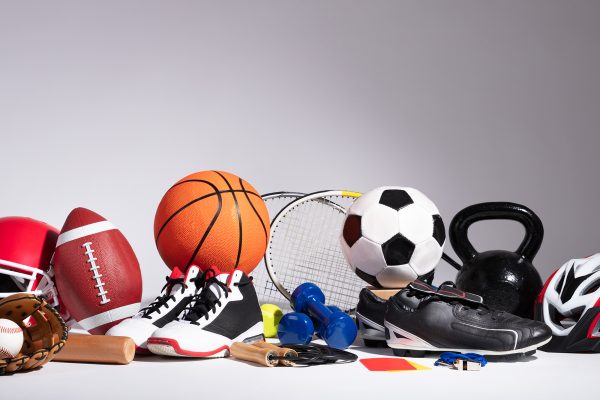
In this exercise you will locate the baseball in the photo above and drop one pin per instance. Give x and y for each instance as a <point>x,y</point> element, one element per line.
<point>11,338</point>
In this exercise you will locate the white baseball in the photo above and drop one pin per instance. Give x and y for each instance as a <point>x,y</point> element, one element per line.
<point>11,338</point>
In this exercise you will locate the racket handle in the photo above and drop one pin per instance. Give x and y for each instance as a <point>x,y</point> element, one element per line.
<point>280,351</point>
<point>248,352</point>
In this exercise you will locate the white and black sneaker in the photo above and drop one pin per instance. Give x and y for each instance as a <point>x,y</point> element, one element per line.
<point>176,296</point>
<point>370,313</point>
<point>225,311</point>
<point>422,318</point>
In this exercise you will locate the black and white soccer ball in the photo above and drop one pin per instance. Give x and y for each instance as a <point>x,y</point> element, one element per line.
<point>392,235</point>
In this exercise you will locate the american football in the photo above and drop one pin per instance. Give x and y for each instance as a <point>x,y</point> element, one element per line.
<point>96,271</point>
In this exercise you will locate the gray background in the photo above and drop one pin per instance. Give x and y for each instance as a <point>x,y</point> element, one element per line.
<point>106,104</point>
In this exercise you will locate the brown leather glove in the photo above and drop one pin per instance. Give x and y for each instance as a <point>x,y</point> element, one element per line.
<point>44,331</point>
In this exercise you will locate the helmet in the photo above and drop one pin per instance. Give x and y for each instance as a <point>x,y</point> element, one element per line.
<point>26,248</point>
<point>570,305</point>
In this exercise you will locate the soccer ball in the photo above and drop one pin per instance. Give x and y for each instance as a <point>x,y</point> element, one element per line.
<point>392,235</point>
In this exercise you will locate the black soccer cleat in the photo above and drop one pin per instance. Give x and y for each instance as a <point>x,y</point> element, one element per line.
<point>422,318</point>
<point>370,313</point>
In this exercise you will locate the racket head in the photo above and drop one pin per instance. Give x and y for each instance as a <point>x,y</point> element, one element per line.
<point>266,291</point>
<point>304,246</point>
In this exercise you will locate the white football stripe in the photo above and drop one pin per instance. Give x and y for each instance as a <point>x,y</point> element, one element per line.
<point>83,231</point>
<point>109,316</point>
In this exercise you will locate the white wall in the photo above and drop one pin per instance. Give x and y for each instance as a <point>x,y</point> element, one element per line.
<point>106,104</point>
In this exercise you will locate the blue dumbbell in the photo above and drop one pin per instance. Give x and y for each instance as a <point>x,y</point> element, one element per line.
<point>295,328</point>
<point>335,327</point>
<point>299,328</point>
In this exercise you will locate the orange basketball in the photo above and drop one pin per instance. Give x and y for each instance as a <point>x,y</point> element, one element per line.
<point>212,218</point>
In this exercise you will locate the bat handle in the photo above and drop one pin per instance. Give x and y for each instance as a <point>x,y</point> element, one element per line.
<point>248,352</point>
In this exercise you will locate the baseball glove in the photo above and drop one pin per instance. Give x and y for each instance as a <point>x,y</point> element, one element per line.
<point>44,331</point>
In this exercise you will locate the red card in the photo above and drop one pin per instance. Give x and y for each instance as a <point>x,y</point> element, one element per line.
<point>390,364</point>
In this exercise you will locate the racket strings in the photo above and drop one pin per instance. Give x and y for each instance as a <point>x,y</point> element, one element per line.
<point>305,248</point>
<point>267,292</point>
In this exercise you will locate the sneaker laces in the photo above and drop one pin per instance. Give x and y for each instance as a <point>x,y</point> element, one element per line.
<point>206,300</point>
<point>162,300</point>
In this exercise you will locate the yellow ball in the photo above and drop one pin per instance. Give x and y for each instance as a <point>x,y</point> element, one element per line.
<point>271,315</point>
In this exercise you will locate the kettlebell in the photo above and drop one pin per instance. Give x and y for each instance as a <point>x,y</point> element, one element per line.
<point>506,280</point>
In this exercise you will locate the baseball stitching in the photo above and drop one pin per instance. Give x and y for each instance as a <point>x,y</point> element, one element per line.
<point>4,353</point>
<point>4,329</point>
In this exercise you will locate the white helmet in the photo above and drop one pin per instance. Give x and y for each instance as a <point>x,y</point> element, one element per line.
<point>570,305</point>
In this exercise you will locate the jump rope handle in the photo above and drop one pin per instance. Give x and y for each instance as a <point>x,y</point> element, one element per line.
<point>263,353</point>
<point>255,354</point>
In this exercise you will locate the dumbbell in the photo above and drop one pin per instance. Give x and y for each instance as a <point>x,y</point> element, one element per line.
<point>299,328</point>
<point>334,326</point>
<point>271,315</point>
<point>295,328</point>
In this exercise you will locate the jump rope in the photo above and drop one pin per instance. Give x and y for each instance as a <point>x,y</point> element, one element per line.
<point>270,355</point>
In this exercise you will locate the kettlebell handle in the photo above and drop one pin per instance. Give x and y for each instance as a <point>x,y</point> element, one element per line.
<point>459,226</point>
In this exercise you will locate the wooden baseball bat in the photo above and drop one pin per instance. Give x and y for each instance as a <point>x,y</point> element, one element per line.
<point>98,349</point>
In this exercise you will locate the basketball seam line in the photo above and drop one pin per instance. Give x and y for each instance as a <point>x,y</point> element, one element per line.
<point>192,202</point>
<point>185,205</point>
<point>239,214</point>
<point>208,229</point>
<point>255,211</point>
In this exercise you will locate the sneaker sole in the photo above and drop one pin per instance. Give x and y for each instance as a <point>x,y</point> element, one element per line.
<point>170,347</point>
<point>419,350</point>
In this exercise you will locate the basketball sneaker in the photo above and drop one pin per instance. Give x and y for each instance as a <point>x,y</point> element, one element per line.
<point>370,313</point>
<point>423,318</point>
<point>225,311</point>
<point>176,296</point>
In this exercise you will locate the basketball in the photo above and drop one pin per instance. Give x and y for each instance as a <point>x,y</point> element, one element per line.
<point>212,218</point>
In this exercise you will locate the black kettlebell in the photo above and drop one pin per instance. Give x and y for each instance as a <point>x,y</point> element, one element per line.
<point>506,280</point>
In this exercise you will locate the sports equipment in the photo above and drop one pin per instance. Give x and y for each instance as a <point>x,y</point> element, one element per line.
<point>304,246</point>
<point>271,315</point>
<point>269,355</point>
<point>422,318</point>
<point>570,305</point>
<point>391,364</point>
<point>263,353</point>
<point>11,338</point>
<point>45,332</point>
<point>212,218</point>
<point>295,328</point>
<point>97,274</point>
<point>97,349</point>
<point>176,296</point>
<point>26,247</point>
<point>265,289</point>
<point>225,311</point>
<point>370,313</point>
<point>334,326</point>
<point>461,362</point>
<point>506,280</point>
<point>392,235</point>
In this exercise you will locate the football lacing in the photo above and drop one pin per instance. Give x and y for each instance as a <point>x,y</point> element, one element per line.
<point>102,293</point>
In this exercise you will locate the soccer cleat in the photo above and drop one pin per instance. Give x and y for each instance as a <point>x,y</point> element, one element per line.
<point>176,296</point>
<point>225,311</point>
<point>370,313</point>
<point>422,318</point>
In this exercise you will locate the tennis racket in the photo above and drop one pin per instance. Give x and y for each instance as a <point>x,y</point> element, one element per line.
<point>304,246</point>
<point>265,289</point>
